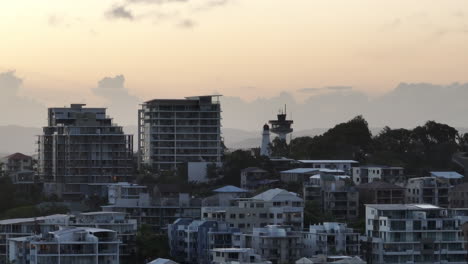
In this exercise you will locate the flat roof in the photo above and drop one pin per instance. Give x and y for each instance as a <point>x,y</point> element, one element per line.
<point>412,207</point>
<point>30,219</point>
<point>307,170</point>
<point>447,174</point>
<point>230,250</point>
<point>328,161</point>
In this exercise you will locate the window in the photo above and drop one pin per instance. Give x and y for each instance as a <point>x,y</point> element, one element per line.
<point>241,216</point>
<point>233,216</point>
<point>279,216</point>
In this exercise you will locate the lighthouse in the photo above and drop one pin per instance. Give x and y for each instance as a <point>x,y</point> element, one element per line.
<point>265,148</point>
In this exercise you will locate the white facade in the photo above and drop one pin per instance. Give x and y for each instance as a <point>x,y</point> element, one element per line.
<point>273,207</point>
<point>344,165</point>
<point>413,233</point>
<point>236,256</point>
<point>431,190</point>
<point>68,245</point>
<point>265,147</point>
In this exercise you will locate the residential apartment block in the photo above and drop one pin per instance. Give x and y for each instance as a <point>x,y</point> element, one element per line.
<point>333,194</point>
<point>81,151</point>
<point>253,178</point>
<point>192,241</point>
<point>175,131</point>
<point>329,239</point>
<point>67,245</point>
<point>458,196</point>
<point>236,256</point>
<point>21,227</point>
<point>431,190</point>
<point>273,207</point>
<point>302,175</point>
<point>278,244</point>
<point>413,233</point>
<point>366,174</point>
<point>344,165</point>
<point>155,211</point>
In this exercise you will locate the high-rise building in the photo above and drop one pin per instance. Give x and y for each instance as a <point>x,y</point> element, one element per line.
<point>81,151</point>
<point>175,131</point>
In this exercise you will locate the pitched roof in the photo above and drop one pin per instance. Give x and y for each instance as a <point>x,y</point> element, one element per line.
<point>230,189</point>
<point>274,194</point>
<point>18,156</point>
<point>378,185</point>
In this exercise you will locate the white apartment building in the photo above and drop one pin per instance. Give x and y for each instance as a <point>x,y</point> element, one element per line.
<point>331,238</point>
<point>302,175</point>
<point>273,207</point>
<point>278,244</point>
<point>175,131</point>
<point>413,233</point>
<point>67,245</point>
<point>236,256</point>
<point>20,227</point>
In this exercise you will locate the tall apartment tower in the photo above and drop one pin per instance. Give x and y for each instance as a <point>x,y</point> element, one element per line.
<point>81,151</point>
<point>175,131</point>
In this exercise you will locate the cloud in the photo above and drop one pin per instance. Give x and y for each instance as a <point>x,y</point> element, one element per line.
<point>14,108</point>
<point>122,105</point>
<point>339,88</point>
<point>186,23</point>
<point>309,90</point>
<point>159,2</point>
<point>120,12</point>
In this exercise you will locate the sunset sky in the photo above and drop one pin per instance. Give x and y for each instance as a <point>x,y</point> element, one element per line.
<point>245,48</point>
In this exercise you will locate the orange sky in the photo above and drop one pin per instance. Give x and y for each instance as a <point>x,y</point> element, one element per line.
<point>246,48</point>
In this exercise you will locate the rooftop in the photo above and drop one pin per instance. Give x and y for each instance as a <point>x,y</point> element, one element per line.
<point>446,174</point>
<point>230,189</point>
<point>18,156</point>
<point>274,194</point>
<point>32,219</point>
<point>309,170</point>
<point>378,185</point>
<point>328,161</point>
<point>409,207</point>
<point>231,250</point>
<point>253,169</point>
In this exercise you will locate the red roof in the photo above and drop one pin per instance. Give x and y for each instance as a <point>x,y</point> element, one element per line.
<point>18,156</point>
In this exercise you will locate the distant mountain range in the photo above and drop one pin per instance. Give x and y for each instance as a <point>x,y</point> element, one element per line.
<point>23,139</point>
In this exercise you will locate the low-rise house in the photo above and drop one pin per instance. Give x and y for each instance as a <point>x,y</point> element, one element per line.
<point>366,174</point>
<point>16,162</point>
<point>191,241</point>
<point>272,207</point>
<point>67,245</point>
<point>430,190</point>
<point>253,178</point>
<point>331,238</point>
<point>413,233</point>
<point>278,244</point>
<point>334,194</point>
<point>236,256</point>
<point>162,261</point>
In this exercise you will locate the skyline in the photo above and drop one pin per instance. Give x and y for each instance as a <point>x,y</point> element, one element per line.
<point>328,60</point>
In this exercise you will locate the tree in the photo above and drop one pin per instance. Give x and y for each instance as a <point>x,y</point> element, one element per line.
<point>212,171</point>
<point>151,245</point>
<point>279,148</point>
<point>313,214</point>
<point>233,164</point>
